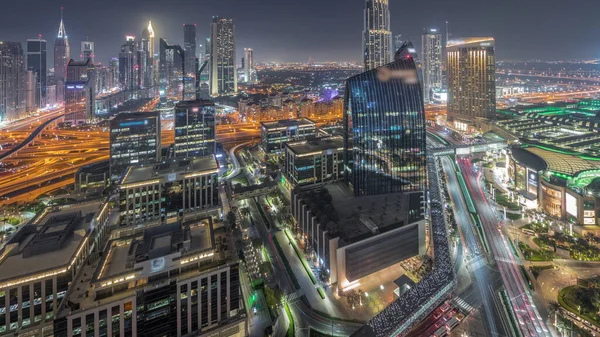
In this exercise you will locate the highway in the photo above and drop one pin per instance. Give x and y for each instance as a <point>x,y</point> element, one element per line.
<point>486,279</point>
<point>529,320</point>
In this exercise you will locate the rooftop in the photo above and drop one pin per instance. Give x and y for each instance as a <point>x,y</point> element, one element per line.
<point>204,164</point>
<point>529,159</point>
<point>564,163</point>
<point>316,145</point>
<point>135,115</point>
<point>286,123</point>
<point>49,242</point>
<point>470,41</point>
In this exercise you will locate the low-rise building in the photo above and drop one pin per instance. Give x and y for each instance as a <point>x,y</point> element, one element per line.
<point>357,237</point>
<point>92,178</point>
<point>275,134</point>
<point>38,264</point>
<point>170,280</point>
<point>314,160</point>
<point>166,191</point>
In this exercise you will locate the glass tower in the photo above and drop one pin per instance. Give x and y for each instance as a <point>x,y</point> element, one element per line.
<point>223,70</point>
<point>384,124</point>
<point>36,61</point>
<point>431,44</point>
<point>195,128</point>
<point>377,37</point>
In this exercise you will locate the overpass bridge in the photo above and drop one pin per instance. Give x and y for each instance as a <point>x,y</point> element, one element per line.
<point>465,150</point>
<point>29,138</point>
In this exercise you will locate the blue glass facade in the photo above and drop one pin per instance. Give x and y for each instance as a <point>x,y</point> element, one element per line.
<point>384,124</point>
<point>195,128</point>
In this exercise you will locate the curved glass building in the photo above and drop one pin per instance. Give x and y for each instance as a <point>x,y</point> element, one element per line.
<point>384,124</point>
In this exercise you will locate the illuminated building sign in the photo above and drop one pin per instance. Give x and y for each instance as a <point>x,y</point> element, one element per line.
<point>157,264</point>
<point>589,221</point>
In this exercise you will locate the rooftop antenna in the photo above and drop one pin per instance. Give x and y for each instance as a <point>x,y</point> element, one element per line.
<point>447,34</point>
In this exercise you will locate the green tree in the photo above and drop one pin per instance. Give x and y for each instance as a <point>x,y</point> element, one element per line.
<point>230,219</point>
<point>272,296</point>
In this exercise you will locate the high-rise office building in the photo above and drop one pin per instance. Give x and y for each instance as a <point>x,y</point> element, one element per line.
<point>134,141</point>
<point>249,72</point>
<point>62,55</point>
<point>189,46</point>
<point>127,62</point>
<point>166,63</point>
<point>147,46</point>
<point>113,73</point>
<point>80,93</point>
<point>377,37</point>
<point>431,56</point>
<point>12,81</point>
<point>87,51</point>
<point>30,85</point>
<point>36,61</point>
<point>471,79</point>
<point>223,70</point>
<point>195,128</point>
<point>384,138</point>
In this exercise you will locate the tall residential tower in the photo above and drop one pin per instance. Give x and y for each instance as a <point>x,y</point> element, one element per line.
<point>431,42</point>
<point>12,81</point>
<point>471,79</point>
<point>223,71</point>
<point>36,62</point>
<point>377,37</point>
<point>62,55</point>
<point>249,72</point>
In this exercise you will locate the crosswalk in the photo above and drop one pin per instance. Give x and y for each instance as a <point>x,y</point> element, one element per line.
<point>464,306</point>
<point>294,297</point>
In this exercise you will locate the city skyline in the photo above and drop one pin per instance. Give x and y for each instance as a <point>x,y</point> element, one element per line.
<point>256,23</point>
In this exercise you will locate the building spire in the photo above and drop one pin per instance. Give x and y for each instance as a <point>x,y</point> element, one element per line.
<point>62,33</point>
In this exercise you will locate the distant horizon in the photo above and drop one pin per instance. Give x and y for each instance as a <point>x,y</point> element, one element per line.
<point>286,31</point>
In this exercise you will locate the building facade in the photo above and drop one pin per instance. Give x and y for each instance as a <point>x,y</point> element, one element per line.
<point>87,51</point>
<point>127,62</point>
<point>134,141</point>
<point>167,191</point>
<point>12,81</point>
<point>431,44</point>
<point>36,61</point>
<point>249,71</point>
<point>174,280</point>
<point>223,70</point>
<point>274,135</point>
<point>471,79</point>
<point>80,93</point>
<point>314,161</point>
<point>195,133</point>
<point>62,55</point>
<point>384,138</point>
<point>377,36</point>
<point>189,46</point>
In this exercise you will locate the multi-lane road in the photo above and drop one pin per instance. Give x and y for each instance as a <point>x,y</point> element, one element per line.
<point>529,319</point>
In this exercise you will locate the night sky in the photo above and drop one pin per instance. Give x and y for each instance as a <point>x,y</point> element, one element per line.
<point>327,30</point>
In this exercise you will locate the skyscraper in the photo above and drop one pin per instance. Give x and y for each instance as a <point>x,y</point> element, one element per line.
<point>195,128</point>
<point>127,62</point>
<point>113,73</point>
<point>384,127</point>
<point>223,71</point>
<point>398,42</point>
<point>12,81</point>
<point>249,65</point>
<point>134,141</point>
<point>80,92</point>
<point>377,37</point>
<point>147,45</point>
<point>36,61</point>
<point>431,43</point>
<point>471,79</point>
<point>87,51</point>
<point>189,46</point>
<point>148,35</point>
<point>62,55</point>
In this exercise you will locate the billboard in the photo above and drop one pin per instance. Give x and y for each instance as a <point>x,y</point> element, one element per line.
<point>532,182</point>
<point>571,205</point>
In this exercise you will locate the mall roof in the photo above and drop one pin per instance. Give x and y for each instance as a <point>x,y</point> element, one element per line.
<point>564,163</point>
<point>528,159</point>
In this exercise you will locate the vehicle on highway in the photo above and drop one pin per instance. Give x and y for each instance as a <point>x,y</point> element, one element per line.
<point>453,323</point>
<point>441,332</point>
